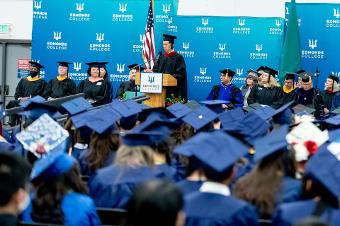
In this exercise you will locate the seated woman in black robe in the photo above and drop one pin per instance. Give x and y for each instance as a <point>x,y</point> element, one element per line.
<point>95,88</point>
<point>331,89</point>
<point>61,86</point>
<point>130,84</point>
<point>105,75</point>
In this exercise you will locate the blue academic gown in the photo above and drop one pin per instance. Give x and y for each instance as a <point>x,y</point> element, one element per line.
<point>169,172</point>
<point>189,186</point>
<point>289,213</point>
<point>210,209</point>
<point>84,167</point>
<point>291,190</point>
<point>113,186</point>
<point>78,209</point>
<point>228,92</point>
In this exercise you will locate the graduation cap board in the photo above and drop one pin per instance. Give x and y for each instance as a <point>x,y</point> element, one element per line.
<point>43,135</point>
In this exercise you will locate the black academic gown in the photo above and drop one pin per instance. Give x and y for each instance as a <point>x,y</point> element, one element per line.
<point>174,64</point>
<point>27,88</point>
<point>8,220</point>
<point>267,96</point>
<point>124,87</point>
<point>96,91</point>
<point>288,96</point>
<point>57,89</point>
<point>327,98</point>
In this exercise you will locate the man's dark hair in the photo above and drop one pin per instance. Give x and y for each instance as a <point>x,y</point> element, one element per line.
<point>14,174</point>
<point>155,203</point>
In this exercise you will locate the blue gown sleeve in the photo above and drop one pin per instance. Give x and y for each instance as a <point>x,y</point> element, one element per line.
<point>246,216</point>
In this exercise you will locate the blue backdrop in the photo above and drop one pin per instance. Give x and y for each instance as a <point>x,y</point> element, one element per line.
<point>85,31</point>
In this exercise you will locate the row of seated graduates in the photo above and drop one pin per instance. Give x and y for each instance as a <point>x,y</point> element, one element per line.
<point>145,144</point>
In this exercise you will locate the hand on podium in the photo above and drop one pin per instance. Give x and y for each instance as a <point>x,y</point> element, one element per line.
<point>148,70</point>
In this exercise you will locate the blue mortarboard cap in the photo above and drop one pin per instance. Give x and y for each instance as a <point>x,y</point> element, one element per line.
<point>76,105</point>
<point>179,110</point>
<point>37,112</point>
<point>215,105</point>
<point>200,117</point>
<point>191,145</point>
<point>32,101</point>
<point>333,135</point>
<point>253,127</point>
<point>230,119</point>
<point>335,121</point>
<point>327,174</point>
<point>219,151</point>
<point>283,115</point>
<point>154,122</point>
<point>265,112</point>
<point>145,138</point>
<point>126,108</point>
<point>54,164</point>
<point>101,120</point>
<point>271,143</point>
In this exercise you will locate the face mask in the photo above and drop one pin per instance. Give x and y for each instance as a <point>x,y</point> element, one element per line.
<point>33,73</point>
<point>24,204</point>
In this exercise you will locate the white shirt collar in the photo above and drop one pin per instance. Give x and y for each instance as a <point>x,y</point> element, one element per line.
<point>217,188</point>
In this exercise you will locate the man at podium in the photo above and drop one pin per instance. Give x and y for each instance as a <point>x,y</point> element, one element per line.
<point>172,63</point>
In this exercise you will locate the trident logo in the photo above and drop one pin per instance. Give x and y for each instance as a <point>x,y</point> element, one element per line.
<point>239,71</point>
<point>151,79</point>
<point>122,7</point>
<point>287,10</point>
<point>312,43</point>
<point>79,6</point>
<point>205,21</point>
<point>166,8</point>
<point>241,22</point>
<point>259,47</point>
<point>278,22</point>
<point>203,70</point>
<point>57,35</point>
<point>141,38</point>
<point>77,66</point>
<point>186,45</point>
<point>221,46</point>
<point>100,37</point>
<point>120,68</point>
<point>336,13</point>
<point>37,5</point>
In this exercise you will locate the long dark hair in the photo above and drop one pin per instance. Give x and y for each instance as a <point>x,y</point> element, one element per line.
<point>262,185</point>
<point>181,134</point>
<point>101,146</point>
<point>46,205</point>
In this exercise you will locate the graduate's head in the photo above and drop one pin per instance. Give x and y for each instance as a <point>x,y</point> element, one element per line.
<point>226,75</point>
<point>102,70</point>
<point>332,83</point>
<point>168,42</point>
<point>14,177</point>
<point>134,156</point>
<point>63,68</point>
<point>35,68</point>
<point>93,70</point>
<point>134,68</point>
<point>156,203</point>
<point>306,82</point>
<point>289,80</point>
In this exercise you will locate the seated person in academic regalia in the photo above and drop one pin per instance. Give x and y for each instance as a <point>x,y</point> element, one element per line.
<point>95,88</point>
<point>227,91</point>
<point>336,101</point>
<point>268,91</point>
<point>250,82</point>
<point>113,186</point>
<point>272,180</point>
<point>172,63</point>
<point>320,191</point>
<point>103,73</point>
<point>213,204</point>
<point>156,203</point>
<point>60,196</point>
<point>300,73</point>
<point>130,84</point>
<point>28,87</point>
<point>62,85</point>
<point>288,89</point>
<point>14,197</point>
<point>331,89</point>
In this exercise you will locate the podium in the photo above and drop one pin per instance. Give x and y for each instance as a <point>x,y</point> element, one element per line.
<point>157,99</point>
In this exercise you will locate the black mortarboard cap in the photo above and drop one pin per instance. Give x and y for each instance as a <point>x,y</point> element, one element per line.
<point>93,64</point>
<point>306,78</point>
<point>169,38</point>
<point>228,72</point>
<point>36,64</point>
<point>261,68</point>
<point>63,63</point>
<point>102,64</point>
<point>300,71</point>
<point>334,78</point>
<point>290,76</point>
<point>270,71</point>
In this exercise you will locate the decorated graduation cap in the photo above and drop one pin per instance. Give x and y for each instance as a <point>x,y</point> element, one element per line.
<point>136,66</point>
<point>327,174</point>
<point>228,72</point>
<point>76,105</point>
<point>179,110</point>
<point>200,117</point>
<point>169,38</point>
<point>334,78</point>
<point>271,143</point>
<point>63,63</point>
<point>270,71</point>
<point>36,65</point>
<point>54,164</point>
<point>215,105</point>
